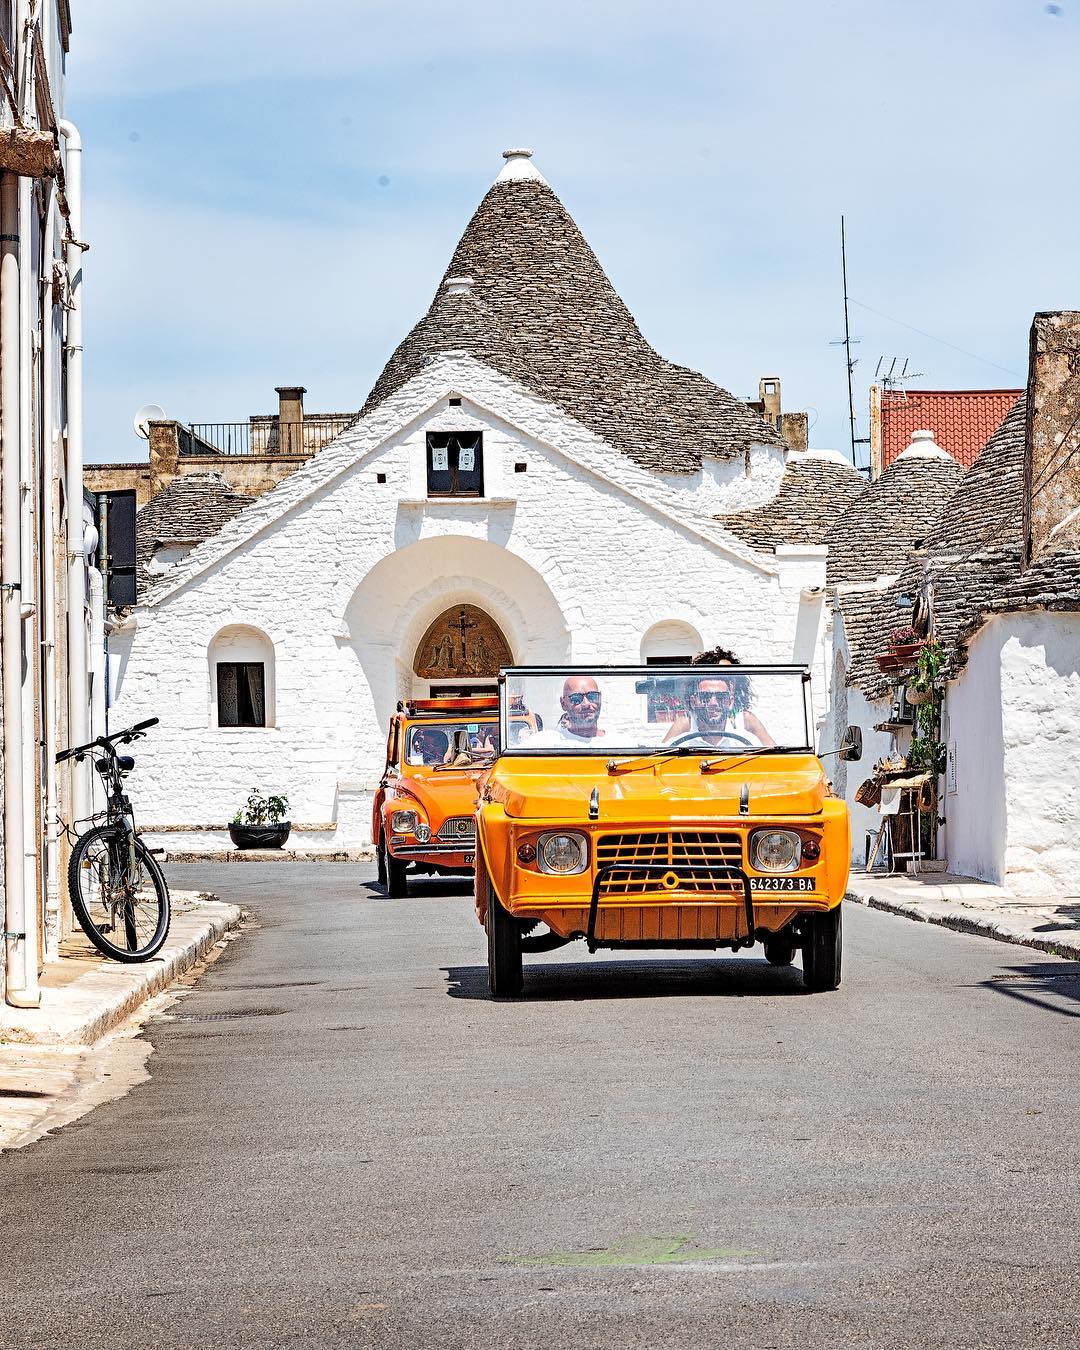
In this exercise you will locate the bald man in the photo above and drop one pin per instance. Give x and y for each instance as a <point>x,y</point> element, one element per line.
<point>580,721</point>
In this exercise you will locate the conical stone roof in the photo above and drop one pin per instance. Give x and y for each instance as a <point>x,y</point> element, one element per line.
<point>542,311</point>
<point>874,536</point>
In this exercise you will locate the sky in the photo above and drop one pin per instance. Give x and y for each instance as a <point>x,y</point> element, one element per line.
<point>272,190</point>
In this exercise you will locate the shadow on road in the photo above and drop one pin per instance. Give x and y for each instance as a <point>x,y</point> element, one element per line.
<point>553,981</point>
<point>426,888</point>
<point>1052,985</point>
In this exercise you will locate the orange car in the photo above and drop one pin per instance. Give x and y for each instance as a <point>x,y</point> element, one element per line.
<point>423,814</point>
<point>682,809</point>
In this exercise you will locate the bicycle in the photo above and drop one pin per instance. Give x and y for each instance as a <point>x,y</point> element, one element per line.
<point>117,889</point>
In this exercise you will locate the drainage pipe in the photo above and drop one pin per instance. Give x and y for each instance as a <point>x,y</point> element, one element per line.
<point>48,572</point>
<point>20,972</point>
<point>78,711</point>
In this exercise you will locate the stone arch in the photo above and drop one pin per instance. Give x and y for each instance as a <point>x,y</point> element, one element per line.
<point>243,644</point>
<point>405,592</point>
<point>670,638</point>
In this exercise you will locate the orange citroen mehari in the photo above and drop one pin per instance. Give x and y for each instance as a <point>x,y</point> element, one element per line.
<point>682,807</point>
<point>423,815</point>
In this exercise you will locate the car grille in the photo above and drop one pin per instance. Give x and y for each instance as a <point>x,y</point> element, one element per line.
<point>458,830</point>
<point>680,850</point>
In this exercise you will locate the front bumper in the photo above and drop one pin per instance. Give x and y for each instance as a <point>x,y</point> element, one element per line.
<point>664,872</point>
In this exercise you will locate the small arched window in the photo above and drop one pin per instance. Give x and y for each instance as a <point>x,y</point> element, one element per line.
<point>670,643</point>
<point>241,678</point>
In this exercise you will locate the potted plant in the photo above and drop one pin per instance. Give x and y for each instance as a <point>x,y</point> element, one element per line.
<point>259,823</point>
<point>905,642</point>
<point>924,684</point>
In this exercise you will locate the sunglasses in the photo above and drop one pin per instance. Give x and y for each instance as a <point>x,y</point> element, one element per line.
<point>715,697</point>
<point>593,695</point>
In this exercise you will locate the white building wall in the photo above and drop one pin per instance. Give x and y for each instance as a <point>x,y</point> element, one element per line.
<point>344,583</point>
<point>1014,718</point>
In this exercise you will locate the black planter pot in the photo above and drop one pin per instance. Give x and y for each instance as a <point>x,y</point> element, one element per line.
<point>260,836</point>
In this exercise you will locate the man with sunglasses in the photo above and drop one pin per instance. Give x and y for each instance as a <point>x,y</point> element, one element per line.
<point>712,702</point>
<point>580,721</point>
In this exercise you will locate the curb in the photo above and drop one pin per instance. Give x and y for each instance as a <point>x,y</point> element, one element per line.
<point>272,855</point>
<point>115,991</point>
<point>976,923</point>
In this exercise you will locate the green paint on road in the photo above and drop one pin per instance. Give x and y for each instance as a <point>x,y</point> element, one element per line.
<point>634,1251</point>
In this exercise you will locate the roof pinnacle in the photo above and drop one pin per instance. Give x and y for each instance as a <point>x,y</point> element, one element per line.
<point>518,168</point>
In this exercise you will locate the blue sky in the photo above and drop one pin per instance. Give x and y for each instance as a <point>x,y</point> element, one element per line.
<point>273,190</point>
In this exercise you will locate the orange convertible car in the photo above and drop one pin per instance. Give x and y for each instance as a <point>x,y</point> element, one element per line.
<point>423,814</point>
<point>686,808</point>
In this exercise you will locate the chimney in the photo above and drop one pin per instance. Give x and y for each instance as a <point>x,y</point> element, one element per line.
<point>769,398</point>
<point>459,285</point>
<point>1052,443</point>
<point>290,418</point>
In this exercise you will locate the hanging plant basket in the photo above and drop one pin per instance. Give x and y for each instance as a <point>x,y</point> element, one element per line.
<point>916,697</point>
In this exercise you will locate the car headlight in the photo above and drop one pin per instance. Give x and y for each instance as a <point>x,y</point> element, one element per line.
<point>775,850</point>
<point>403,822</point>
<point>423,833</point>
<point>562,854</point>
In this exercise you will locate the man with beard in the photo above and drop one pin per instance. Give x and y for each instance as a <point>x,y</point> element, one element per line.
<point>713,710</point>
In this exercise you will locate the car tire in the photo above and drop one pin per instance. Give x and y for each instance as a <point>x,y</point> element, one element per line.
<point>380,859</point>
<point>505,974</point>
<point>779,951</point>
<point>822,948</point>
<point>396,883</point>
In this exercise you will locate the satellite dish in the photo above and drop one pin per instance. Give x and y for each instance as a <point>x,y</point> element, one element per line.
<point>149,412</point>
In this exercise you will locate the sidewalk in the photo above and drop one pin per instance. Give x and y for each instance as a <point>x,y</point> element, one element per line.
<point>52,1058</point>
<point>83,995</point>
<point>1049,924</point>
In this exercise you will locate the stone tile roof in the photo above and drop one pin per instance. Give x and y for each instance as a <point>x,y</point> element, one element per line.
<point>962,420</point>
<point>874,537</point>
<point>814,490</point>
<point>544,313</point>
<point>973,554</point>
<point>192,508</point>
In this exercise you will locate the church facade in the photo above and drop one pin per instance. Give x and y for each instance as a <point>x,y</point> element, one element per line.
<point>527,482</point>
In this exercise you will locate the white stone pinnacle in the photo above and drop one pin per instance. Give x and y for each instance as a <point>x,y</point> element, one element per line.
<point>519,168</point>
<point>923,443</point>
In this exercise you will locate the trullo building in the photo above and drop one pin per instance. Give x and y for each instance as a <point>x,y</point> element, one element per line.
<point>528,481</point>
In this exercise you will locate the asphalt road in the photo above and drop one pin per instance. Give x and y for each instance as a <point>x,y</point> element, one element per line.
<point>343,1142</point>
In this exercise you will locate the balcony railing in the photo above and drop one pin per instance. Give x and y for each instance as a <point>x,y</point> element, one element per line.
<point>263,436</point>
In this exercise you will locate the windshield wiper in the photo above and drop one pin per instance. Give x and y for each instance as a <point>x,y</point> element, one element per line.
<point>649,756</point>
<point>747,752</point>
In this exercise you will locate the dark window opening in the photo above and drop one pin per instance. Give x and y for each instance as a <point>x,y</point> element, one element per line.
<point>520,468</point>
<point>380,478</point>
<point>241,694</point>
<point>455,403</point>
<point>455,464</point>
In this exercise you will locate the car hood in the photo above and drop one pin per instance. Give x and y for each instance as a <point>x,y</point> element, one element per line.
<point>559,787</point>
<point>449,792</point>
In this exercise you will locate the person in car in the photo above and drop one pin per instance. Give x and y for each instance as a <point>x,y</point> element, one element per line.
<point>720,704</point>
<point>428,746</point>
<point>579,724</point>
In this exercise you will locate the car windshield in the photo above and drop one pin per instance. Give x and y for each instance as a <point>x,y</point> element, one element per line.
<point>642,709</point>
<point>450,743</point>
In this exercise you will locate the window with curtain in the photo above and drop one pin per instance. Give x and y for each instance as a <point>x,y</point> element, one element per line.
<point>241,694</point>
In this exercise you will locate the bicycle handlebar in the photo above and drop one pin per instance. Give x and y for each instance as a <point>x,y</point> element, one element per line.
<point>129,733</point>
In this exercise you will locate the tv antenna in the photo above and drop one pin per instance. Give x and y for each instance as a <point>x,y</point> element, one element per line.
<point>847,342</point>
<point>893,379</point>
<point>149,412</point>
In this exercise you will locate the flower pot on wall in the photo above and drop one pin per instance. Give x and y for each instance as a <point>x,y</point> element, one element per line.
<point>260,836</point>
<point>917,696</point>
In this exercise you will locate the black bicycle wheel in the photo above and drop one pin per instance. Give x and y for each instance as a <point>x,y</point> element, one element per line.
<point>125,917</point>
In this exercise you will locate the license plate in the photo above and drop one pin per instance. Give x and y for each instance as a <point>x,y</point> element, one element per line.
<point>781,883</point>
<point>470,858</point>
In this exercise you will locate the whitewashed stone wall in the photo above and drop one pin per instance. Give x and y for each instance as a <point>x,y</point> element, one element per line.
<point>1014,718</point>
<point>576,558</point>
<point>721,486</point>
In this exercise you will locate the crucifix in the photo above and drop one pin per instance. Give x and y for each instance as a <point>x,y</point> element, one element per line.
<point>462,626</point>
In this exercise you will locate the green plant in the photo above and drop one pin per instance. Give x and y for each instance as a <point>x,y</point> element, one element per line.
<point>929,668</point>
<point>260,810</point>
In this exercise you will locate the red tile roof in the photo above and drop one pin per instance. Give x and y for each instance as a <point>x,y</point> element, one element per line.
<point>962,420</point>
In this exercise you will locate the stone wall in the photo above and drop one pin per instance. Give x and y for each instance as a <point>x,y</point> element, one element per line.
<point>576,557</point>
<point>1052,461</point>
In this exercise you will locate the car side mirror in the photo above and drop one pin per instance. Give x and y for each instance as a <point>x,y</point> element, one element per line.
<point>851,745</point>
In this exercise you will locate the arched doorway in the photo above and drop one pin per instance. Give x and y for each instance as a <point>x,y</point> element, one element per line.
<point>461,652</point>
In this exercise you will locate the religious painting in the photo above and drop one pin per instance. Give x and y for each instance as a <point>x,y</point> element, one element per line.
<point>462,641</point>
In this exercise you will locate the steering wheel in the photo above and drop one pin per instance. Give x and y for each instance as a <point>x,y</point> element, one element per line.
<point>697,736</point>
